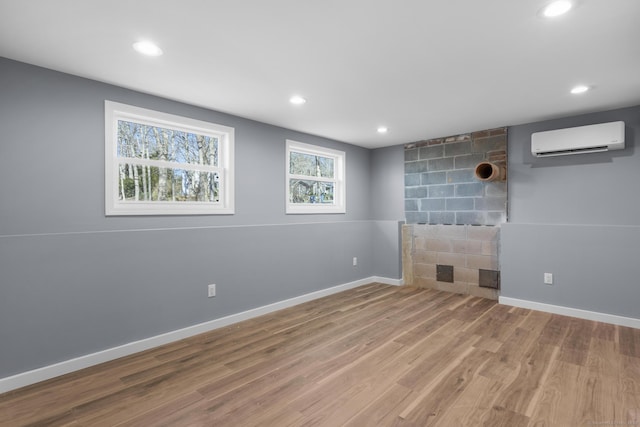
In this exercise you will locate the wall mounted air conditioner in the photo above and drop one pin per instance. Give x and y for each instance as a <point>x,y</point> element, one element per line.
<point>582,139</point>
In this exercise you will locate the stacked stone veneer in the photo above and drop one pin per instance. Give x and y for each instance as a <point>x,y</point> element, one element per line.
<point>467,248</point>
<point>440,182</point>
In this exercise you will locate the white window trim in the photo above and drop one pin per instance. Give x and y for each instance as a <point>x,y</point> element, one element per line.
<point>113,206</point>
<point>339,180</point>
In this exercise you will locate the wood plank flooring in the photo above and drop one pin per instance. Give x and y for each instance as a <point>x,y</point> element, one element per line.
<point>377,355</point>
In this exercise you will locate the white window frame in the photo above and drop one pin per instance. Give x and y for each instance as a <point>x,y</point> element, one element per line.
<point>113,206</point>
<point>339,179</point>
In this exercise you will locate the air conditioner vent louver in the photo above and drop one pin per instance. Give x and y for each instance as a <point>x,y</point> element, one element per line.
<point>574,151</point>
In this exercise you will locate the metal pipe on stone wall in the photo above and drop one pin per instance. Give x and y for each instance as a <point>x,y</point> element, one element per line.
<point>487,171</point>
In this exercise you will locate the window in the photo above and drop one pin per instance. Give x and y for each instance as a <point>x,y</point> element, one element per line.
<point>161,164</point>
<point>315,179</point>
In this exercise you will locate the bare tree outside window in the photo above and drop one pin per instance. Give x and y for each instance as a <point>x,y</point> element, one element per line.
<point>163,164</point>
<point>315,179</point>
<point>152,183</point>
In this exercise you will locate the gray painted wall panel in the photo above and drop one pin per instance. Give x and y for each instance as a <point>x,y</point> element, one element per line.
<point>594,268</point>
<point>55,123</point>
<point>387,249</point>
<point>66,295</point>
<point>597,188</point>
<point>387,183</point>
<point>387,208</point>
<point>576,217</point>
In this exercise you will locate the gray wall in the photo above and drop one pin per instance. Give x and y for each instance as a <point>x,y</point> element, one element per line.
<point>387,208</point>
<point>387,183</point>
<point>50,120</point>
<point>577,217</point>
<point>73,281</point>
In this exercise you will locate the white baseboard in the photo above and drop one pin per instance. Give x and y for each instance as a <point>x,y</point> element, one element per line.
<point>47,372</point>
<point>387,281</point>
<point>573,312</point>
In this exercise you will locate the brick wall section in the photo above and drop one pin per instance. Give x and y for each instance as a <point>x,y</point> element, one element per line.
<point>467,248</point>
<point>440,183</point>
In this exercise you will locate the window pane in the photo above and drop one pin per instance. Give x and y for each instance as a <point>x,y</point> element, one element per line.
<point>150,183</point>
<point>310,165</point>
<point>325,166</point>
<point>306,191</point>
<point>151,142</point>
<point>302,164</point>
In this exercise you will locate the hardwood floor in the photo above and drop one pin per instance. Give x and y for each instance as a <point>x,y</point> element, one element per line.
<point>377,355</point>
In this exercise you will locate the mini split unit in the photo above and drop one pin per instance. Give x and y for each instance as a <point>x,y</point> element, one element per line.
<point>583,139</point>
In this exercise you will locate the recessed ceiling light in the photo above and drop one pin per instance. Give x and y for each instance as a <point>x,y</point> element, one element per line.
<point>382,129</point>
<point>557,8</point>
<point>147,48</point>
<point>297,100</point>
<point>579,89</point>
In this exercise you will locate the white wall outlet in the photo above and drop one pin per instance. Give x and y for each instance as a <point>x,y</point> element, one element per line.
<point>548,278</point>
<point>355,261</point>
<point>212,291</point>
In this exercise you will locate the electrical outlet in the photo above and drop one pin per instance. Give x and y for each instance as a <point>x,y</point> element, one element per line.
<point>355,261</point>
<point>548,278</point>
<point>212,291</point>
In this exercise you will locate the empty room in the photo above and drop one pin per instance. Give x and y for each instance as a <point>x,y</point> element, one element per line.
<point>319,213</point>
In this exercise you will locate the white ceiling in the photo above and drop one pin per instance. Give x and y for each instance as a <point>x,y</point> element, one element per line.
<point>422,68</point>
